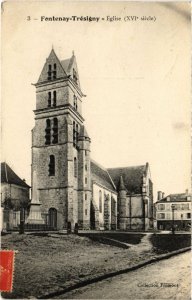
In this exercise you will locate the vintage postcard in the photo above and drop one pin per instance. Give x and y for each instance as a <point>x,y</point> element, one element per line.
<point>95,167</point>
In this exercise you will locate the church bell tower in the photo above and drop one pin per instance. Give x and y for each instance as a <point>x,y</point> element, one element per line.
<point>61,146</point>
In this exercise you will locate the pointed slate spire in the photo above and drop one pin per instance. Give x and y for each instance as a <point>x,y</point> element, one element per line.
<point>121,184</point>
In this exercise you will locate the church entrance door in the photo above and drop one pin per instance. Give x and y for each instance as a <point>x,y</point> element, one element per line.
<point>53,218</point>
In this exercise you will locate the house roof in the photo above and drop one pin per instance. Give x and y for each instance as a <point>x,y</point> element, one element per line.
<point>101,176</point>
<point>176,198</point>
<point>132,178</point>
<point>9,176</point>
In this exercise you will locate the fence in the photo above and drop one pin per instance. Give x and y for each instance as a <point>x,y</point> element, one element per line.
<point>11,220</point>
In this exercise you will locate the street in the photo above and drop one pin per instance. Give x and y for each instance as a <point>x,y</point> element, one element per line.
<point>167,279</point>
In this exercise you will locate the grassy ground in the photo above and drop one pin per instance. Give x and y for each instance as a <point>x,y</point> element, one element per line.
<point>104,237</point>
<point>45,264</point>
<point>164,243</point>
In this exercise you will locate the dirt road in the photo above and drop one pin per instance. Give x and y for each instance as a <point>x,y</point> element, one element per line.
<point>167,279</point>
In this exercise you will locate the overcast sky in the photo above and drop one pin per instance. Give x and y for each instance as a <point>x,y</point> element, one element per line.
<point>136,76</point>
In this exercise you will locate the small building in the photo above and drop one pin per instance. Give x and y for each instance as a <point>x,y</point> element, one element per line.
<point>14,197</point>
<point>174,209</point>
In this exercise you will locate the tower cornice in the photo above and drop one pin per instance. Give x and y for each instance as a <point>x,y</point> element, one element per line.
<point>66,108</point>
<point>59,80</point>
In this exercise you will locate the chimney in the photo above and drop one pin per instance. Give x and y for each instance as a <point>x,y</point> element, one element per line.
<point>159,195</point>
<point>163,195</point>
<point>186,191</point>
<point>24,180</point>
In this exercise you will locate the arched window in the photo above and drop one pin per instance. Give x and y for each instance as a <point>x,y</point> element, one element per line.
<point>74,135</point>
<point>55,131</point>
<point>51,165</point>
<point>49,72</point>
<point>75,166</point>
<point>85,167</point>
<point>54,98</point>
<point>77,133</point>
<point>85,180</point>
<point>74,101</point>
<point>48,132</point>
<point>55,71</point>
<point>49,99</point>
<point>100,201</point>
<point>48,123</point>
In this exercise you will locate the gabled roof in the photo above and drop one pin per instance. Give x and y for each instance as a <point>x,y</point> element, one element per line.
<point>101,176</point>
<point>64,69</point>
<point>176,198</point>
<point>52,58</point>
<point>9,176</point>
<point>132,178</point>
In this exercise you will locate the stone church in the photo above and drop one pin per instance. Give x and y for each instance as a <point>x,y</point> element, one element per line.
<point>67,185</point>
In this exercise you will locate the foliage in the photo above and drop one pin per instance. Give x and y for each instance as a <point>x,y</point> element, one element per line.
<point>163,243</point>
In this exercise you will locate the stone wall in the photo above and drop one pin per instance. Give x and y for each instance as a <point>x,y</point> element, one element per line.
<point>130,211</point>
<point>62,92</point>
<point>108,213</point>
<point>55,198</point>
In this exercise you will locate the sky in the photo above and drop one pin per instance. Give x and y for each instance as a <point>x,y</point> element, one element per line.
<point>135,75</point>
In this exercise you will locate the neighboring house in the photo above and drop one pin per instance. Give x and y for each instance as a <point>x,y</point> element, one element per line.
<point>173,209</point>
<point>14,196</point>
<point>68,187</point>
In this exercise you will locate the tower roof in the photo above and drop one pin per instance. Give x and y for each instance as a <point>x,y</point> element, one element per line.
<point>50,61</point>
<point>64,68</point>
<point>121,184</point>
<point>68,63</point>
<point>9,176</point>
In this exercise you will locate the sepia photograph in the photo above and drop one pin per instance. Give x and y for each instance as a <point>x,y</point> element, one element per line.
<point>96,150</point>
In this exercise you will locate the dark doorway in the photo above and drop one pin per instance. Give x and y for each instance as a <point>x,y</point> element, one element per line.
<point>113,214</point>
<point>92,216</point>
<point>53,218</point>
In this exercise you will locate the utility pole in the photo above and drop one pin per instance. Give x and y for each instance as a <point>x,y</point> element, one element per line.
<point>173,221</point>
<point>130,212</point>
<point>22,221</point>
